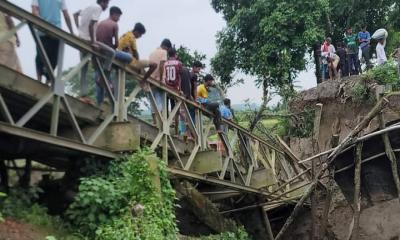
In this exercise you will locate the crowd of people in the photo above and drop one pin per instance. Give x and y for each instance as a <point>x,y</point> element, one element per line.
<point>351,51</point>
<point>163,64</point>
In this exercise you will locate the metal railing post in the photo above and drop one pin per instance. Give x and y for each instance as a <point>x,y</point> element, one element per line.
<point>122,110</point>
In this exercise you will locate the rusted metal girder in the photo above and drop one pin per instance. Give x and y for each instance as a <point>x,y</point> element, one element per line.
<point>55,141</point>
<point>190,175</point>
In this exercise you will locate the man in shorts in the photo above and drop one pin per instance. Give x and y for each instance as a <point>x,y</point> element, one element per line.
<point>127,43</point>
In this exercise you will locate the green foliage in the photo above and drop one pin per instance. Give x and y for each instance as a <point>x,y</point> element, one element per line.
<point>269,39</point>
<point>187,57</point>
<point>266,39</point>
<point>300,125</point>
<point>385,74</point>
<point>20,204</point>
<point>241,234</point>
<point>360,93</point>
<point>127,183</point>
<point>2,195</point>
<point>373,14</point>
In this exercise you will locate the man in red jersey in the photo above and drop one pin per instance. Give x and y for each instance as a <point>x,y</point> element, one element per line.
<point>172,78</point>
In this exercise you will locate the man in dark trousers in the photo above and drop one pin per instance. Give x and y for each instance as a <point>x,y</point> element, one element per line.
<point>189,84</point>
<point>364,38</point>
<point>50,11</point>
<point>202,98</point>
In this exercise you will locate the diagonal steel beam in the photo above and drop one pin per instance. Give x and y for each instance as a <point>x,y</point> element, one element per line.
<point>5,112</point>
<point>35,109</point>
<point>73,120</point>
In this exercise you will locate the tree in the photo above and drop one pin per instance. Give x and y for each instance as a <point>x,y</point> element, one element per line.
<point>267,39</point>
<point>187,57</point>
<point>373,14</point>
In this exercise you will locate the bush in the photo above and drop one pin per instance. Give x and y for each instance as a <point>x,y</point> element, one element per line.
<point>104,205</point>
<point>385,74</point>
<point>240,234</point>
<point>20,205</point>
<point>300,125</point>
<point>360,93</point>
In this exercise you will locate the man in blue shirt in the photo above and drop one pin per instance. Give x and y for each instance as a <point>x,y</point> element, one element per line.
<point>364,38</point>
<point>225,110</point>
<point>50,11</point>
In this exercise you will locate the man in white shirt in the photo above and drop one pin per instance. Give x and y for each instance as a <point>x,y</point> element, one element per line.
<point>380,52</point>
<point>87,31</point>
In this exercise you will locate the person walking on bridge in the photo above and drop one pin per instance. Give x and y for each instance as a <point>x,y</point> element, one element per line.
<point>159,56</point>
<point>50,11</point>
<point>86,21</point>
<point>127,43</point>
<point>172,78</point>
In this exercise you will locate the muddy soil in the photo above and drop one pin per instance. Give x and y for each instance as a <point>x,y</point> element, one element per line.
<point>340,114</point>
<point>14,230</point>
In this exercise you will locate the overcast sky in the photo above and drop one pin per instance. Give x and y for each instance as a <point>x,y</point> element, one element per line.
<point>192,23</point>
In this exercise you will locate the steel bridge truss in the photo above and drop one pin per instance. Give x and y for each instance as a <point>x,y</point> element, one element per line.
<point>245,163</point>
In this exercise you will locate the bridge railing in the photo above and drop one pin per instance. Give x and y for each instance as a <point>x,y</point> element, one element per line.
<point>244,160</point>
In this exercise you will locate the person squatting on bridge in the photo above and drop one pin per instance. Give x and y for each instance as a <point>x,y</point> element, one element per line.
<point>50,11</point>
<point>8,55</point>
<point>127,43</point>
<point>159,56</point>
<point>202,98</point>
<point>86,22</point>
<point>107,37</point>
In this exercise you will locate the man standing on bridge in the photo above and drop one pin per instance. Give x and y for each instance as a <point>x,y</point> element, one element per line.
<point>87,25</point>
<point>50,11</point>
<point>159,56</point>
